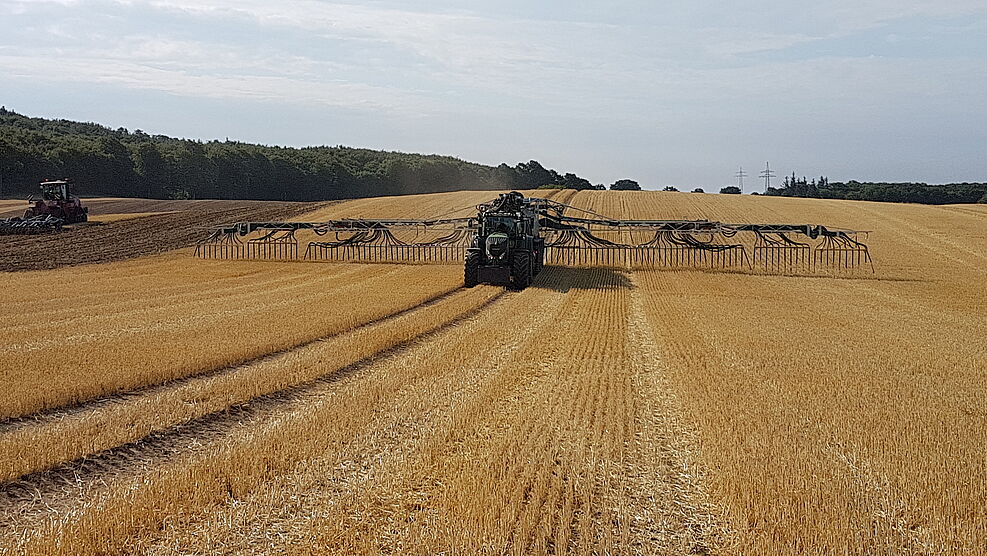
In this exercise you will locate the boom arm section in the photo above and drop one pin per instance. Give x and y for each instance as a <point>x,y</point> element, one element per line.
<point>588,239</point>
<point>344,225</point>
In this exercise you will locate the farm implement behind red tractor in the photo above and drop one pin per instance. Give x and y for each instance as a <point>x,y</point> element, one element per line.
<point>511,238</point>
<point>56,206</point>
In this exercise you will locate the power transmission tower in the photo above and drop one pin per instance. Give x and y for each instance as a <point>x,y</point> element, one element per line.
<point>740,178</point>
<point>766,175</point>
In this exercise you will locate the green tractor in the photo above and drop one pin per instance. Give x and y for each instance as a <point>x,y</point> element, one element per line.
<point>508,248</point>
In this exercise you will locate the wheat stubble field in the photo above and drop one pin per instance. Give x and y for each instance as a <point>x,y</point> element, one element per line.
<point>173,405</point>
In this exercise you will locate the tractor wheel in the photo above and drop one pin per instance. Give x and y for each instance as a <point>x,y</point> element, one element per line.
<point>471,272</point>
<point>539,262</point>
<point>520,270</point>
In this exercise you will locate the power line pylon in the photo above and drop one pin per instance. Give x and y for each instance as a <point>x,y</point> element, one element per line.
<point>740,178</point>
<point>766,175</point>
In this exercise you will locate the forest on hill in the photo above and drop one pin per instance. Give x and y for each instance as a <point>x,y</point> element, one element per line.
<point>124,163</point>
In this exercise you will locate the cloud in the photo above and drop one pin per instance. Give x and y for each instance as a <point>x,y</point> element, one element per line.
<point>165,77</point>
<point>413,63</point>
<point>855,15</point>
<point>452,41</point>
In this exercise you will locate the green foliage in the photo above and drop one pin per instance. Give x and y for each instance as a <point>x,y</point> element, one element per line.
<point>983,199</point>
<point>698,190</point>
<point>669,188</point>
<point>533,175</point>
<point>134,164</point>
<point>730,190</point>
<point>625,185</point>
<point>572,181</point>
<point>799,187</point>
<point>953,193</point>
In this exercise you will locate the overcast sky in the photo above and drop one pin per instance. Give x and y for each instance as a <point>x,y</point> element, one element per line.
<point>664,92</point>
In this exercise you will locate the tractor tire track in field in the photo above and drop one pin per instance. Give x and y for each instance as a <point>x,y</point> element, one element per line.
<point>42,505</point>
<point>34,496</point>
<point>240,305</point>
<point>888,526</point>
<point>137,237</point>
<point>940,244</point>
<point>663,435</point>
<point>68,411</point>
<point>42,441</point>
<point>562,447</point>
<point>332,485</point>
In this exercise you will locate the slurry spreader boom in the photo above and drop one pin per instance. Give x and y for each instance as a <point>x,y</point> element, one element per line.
<point>511,238</point>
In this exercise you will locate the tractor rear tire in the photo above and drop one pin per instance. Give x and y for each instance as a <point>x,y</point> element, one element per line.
<point>520,270</point>
<point>471,271</point>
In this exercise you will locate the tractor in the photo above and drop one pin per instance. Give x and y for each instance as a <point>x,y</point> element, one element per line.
<point>57,201</point>
<point>508,248</point>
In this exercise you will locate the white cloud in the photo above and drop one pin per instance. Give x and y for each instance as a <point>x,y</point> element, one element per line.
<point>855,15</point>
<point>452,40</point>
<point>676,67</point>
<point>180,81</point>
<point>430,59</point>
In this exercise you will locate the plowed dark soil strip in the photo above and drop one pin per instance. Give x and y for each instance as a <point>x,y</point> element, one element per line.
<point>138,237</point>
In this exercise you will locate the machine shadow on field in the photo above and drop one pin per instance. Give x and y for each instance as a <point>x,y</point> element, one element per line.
<point>564,279</point>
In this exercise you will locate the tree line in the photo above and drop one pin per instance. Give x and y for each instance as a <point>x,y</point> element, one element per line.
<point>822,188</point>
<point>109,162</point>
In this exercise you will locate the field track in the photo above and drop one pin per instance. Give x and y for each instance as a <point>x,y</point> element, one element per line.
<point>67,433</point>
<point>310,407</point>
<point>340,409</point>
<point>163,318</point>
<point>260,388</point>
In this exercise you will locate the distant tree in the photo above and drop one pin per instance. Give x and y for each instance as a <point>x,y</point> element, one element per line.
<point>793,186</point>
<point>112,166</point>
<point>195,173</point>
<point>698,190</point>
<point>505,177</point>
<point>599,187</point>
<point>556,177</point>
<point>983,199</point>
<point>669,188</point>
<point>152,171</point>
<point>9,165</point>
<point>730,190</point>
<point>572,181</point>
<point>533,174</point>
<point>625,185</point>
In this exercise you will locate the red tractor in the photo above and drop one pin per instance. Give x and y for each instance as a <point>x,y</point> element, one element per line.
<point>57,201</point>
